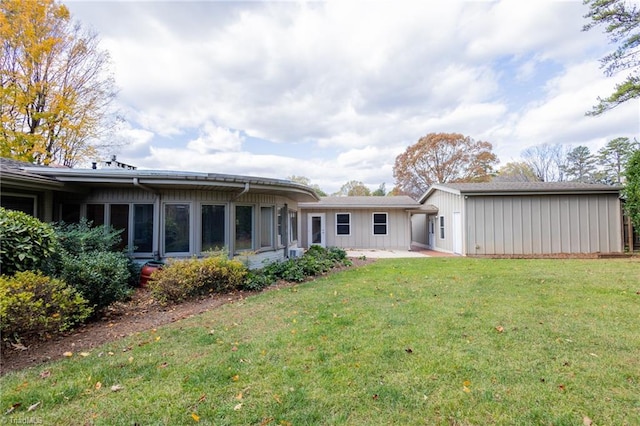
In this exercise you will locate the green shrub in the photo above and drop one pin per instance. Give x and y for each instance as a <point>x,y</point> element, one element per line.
<point>32,304</point>
<point>27,243</point>
<point>101,277</point>
<point>82,237</point>
<point>180,280</point>
<point>315,261</point>
<point>256,280</point>
<point>288,270</point>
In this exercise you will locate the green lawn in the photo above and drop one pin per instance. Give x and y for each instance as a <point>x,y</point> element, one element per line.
<point>440,341</point>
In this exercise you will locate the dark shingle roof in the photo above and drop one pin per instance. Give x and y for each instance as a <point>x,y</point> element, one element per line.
<point>528,186</point>
<point>399,202</point>
<point>522,188</point>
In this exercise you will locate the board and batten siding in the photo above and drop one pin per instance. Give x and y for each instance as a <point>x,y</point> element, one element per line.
<point>361,236</point>
<point>542,224</point>
<point>447,203</point>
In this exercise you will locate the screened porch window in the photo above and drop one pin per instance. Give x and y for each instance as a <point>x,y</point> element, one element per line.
<point>266,227</point>
<point>244,228</point>
<point>176,228</point>
<point>119,219</point>
<point>213,226</point>
<point>142,228</point>
<point>25,204</point>
<point>293,225</point>
<point>95,214</point>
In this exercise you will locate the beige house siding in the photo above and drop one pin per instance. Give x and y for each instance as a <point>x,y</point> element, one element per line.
<point>448,204</point>
<point>543,224</point>
<point>361,229</point>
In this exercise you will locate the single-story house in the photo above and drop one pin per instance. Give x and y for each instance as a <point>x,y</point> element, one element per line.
<point>524,218</point>
<point>383,223</point>
<point>165,213</point>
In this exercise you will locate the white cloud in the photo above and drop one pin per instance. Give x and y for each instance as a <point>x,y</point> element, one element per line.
<point>216,139</point>
<point>354,81</point>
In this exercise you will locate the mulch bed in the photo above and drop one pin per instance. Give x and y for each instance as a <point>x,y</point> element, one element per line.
<point>120,320</point>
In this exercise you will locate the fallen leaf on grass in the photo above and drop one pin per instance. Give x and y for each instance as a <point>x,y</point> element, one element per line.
<point>116,388</point>
<point>68,354</point>
<point>84,354</point>
<point>235,378</point>
<point>195,417</point>
<point>237,407</point>
<point>164,365</point>
<point>586,421</point>
<point>277,398</point>
<point>45,374</point>
<point>33,406</point>
<point>98,386</point>
<point>500,329</point>
<point>409,350</point>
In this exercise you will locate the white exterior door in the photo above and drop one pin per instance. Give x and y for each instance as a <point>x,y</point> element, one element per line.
<point>457,232</point>
<point>432,231</point>
<point>315,229</point>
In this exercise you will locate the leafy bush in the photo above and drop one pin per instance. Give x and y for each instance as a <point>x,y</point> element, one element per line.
<point>256,280</point>
<point>27,243</point>
<point>32,304</point>
<point>89,261</point>
<point>82,237</point>
<point>315,261</point>
<point>180,280</point>
<point>101,277</point>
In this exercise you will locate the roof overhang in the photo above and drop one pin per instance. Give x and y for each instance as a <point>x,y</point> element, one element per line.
<point>425,209</point>
<point>553,188</point>
<point>159,180</point>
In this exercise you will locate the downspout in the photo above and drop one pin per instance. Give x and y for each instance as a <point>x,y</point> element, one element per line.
<point>244,191</point>
<point>136,182</point>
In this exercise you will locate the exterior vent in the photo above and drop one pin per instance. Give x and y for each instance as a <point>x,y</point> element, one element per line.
<point>296,252</point>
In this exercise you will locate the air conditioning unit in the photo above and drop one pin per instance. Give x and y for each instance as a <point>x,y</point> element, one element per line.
<point>295,252</point>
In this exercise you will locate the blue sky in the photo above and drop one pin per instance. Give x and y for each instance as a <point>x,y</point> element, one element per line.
<point>335,90</point>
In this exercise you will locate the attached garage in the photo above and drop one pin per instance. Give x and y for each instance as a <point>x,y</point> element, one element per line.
<point>526,218</point>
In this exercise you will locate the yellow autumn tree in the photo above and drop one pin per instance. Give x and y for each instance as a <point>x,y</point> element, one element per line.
<point>55,85</point>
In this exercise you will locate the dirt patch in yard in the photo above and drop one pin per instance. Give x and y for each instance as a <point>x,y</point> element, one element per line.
<point>120,320</point>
